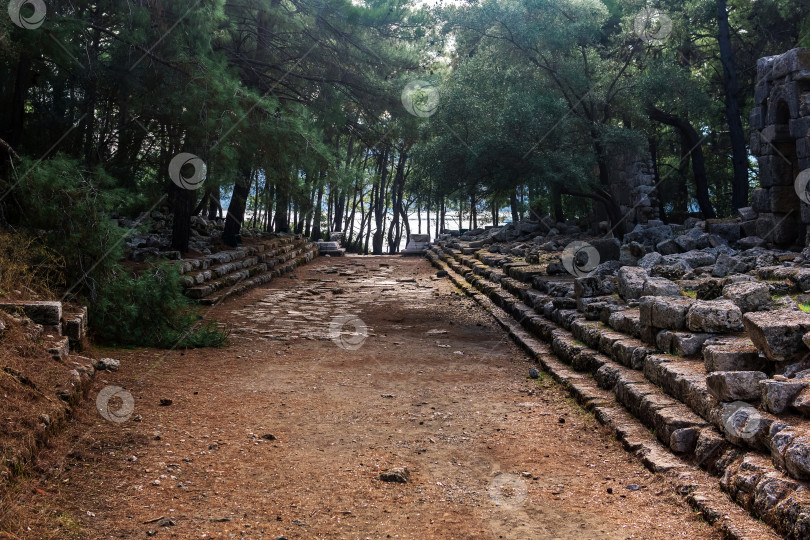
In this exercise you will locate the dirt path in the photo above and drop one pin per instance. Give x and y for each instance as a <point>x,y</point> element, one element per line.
<point>434,387</point>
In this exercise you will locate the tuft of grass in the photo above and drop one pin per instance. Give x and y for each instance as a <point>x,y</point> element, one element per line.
<point>805,307</point>
<point>28,269</point>
<point>690,294</point>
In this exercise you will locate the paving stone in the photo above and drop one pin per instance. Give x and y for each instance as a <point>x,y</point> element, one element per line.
<point>714,316</point>
<point>735,385</point>
<point>778,334</point>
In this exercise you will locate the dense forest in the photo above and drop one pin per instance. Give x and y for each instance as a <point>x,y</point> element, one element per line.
<point>367,118</point>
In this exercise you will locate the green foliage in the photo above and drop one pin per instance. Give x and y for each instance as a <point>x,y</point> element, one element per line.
<point>150,310</point>
<point>70,206</point>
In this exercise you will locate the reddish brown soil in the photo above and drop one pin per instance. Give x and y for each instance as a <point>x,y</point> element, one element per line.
<point>455,408</point>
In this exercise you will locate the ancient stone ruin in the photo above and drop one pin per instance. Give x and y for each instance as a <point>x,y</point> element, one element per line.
<point>780,125</point>
<point>699,333</point>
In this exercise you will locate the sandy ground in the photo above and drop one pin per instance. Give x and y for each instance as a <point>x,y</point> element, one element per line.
<point>349,368</point>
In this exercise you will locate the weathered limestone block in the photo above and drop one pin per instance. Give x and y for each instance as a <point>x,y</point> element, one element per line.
<point>696,258</point>
<point>802,402</point>
<point>784,199</point>
<point>709,289</point>
<point>664,313</point>
<point>731,354</point>
<point>671,271</point>
<point>780,435</point>
<point>626,321</point>
<point>667,247</point>
<point>729,231</point>
<point>657,286</point>
<point>631,282</point>
<point>774,171</point>
<point>681,343</point>
<point>792,61</point>
<point>714,316</point>
<point>799,128</point>
<point>797,458</point>
<point>44,313</point>
<point>777,395</point>
<point>778,334</point>
<point>743,424</point>
<point>684,440</point>
<point>761,203</point>
<point>711,445</point>
<point>735,385</point>
<point>762,91</point>
<point>802,279</point>
<point>749,296</point>
<point>591,286</point>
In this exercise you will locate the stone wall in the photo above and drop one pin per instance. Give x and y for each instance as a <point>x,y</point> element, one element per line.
<point>780,125</point>
<point>632,184</point>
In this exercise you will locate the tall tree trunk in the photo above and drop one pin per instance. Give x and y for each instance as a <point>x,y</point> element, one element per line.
<point>556,200</point>
<point>695,147</point>
<point>513,203</point>
<point>739,186</point>
<point>22,83</point>
<point>443,215</point>
<point>282,219</point>
<point>182,208</point>
<point>236,210</point>
<point>214,204</point>
<point>379,203</point>
<point>397,190</point>
<point>316,221</point>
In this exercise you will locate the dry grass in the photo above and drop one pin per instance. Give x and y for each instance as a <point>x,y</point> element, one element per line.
<point>28,269</point>
<point>30,410</point>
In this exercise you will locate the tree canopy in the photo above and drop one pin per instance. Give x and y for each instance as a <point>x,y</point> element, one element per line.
<point>321,116</point>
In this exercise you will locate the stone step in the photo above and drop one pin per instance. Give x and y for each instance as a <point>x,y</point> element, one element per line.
<point>306,255</point>
<point>715,454</point>
<point>240,271</point>
<point>212,273</point>
<point>205,262</point>
<point>682,380</point>
<point>667,393</point>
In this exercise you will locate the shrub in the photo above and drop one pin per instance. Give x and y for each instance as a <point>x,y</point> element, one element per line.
<point>70,205</point>
<point>150,310</point>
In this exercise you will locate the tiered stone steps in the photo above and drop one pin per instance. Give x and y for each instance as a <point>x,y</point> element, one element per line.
<point>643,393</point>
<point>213,278</point>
